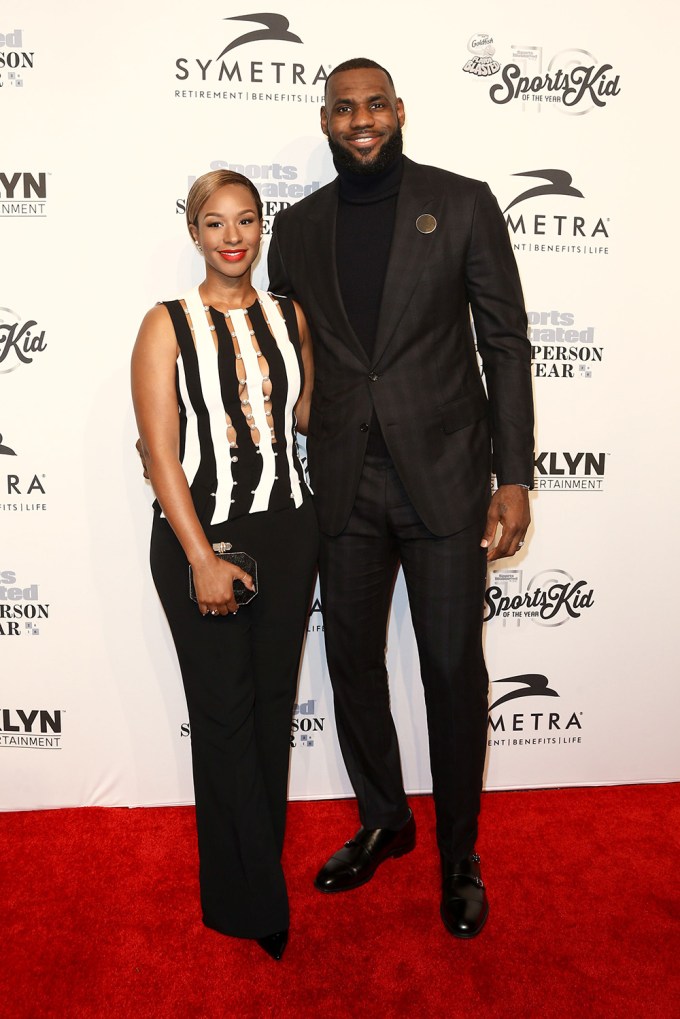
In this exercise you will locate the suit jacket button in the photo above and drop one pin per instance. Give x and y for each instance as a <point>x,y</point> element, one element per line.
<point>373,377</point>
<point>363,427</point>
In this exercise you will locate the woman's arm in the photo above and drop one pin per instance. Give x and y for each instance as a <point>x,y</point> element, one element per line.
<point>154,361</point>
<point>302,407</point>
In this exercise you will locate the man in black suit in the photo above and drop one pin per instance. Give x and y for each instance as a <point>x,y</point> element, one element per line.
<point>388,261</point>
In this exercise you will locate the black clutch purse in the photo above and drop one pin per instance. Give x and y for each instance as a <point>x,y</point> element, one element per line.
<point>242,594</point>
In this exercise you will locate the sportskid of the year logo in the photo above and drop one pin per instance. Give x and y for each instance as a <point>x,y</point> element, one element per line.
<point>573,81</point>
<point>549,598</point>
<point>21,340</point>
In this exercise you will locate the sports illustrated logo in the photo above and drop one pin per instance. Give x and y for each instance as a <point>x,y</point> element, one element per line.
<point>532,728</point>
<point>482,62</point>
<point>20,340</point>
<point>570,472</point>
<point>550,598</point>
<point>232,78</point>
<point>23,195</point>
<point>34,729</point>
<point>279,186</point>
<point>15,61</point>
<point>558,349</point>
<point>21,611</point>
<point>574,81</point>
<point>306,725</point>
<point>545,227</point>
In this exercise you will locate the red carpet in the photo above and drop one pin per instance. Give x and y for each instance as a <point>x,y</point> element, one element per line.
<point>101,917</point>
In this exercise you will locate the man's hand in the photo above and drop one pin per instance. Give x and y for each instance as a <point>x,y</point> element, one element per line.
<point>138,447</point>
<point>509,507</point>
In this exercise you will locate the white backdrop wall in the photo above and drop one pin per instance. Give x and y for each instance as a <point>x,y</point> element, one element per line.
<point>108,113</point>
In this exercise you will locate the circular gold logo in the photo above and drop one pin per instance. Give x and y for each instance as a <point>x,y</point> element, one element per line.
<point>426,224</point>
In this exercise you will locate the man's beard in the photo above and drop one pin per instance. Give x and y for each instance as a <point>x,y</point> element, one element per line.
<point>346,160</point>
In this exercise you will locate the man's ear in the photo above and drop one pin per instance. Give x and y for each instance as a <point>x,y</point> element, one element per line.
<point>324,121</point>
<point>401,113</point>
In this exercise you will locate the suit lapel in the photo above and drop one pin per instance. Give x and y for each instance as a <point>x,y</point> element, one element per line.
<point>319,233</point>
<point>408,254</point>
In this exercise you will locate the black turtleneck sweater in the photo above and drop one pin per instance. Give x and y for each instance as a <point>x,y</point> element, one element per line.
<point>367,207</point>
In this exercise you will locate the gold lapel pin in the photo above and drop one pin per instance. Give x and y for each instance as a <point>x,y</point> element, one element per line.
<point>426,224</point>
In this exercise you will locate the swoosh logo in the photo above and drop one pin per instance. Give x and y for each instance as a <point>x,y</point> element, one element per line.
<point>560,184</point>
<point>534,684</point>
<point>276,27</point>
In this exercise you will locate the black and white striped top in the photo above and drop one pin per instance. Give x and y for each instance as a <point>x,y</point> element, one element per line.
<point>239,376</point>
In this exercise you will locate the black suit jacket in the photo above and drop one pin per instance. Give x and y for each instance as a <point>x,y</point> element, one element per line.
<point>423,380</point>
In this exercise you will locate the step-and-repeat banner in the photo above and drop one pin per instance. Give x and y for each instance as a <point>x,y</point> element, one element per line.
<point>108,114</point>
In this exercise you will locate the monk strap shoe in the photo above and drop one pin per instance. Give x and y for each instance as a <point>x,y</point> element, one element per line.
<point>358,860</point>
<point>464,906</point>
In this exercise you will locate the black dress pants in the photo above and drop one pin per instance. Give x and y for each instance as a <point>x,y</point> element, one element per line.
<point>240,677</point>
<point>445,581</point>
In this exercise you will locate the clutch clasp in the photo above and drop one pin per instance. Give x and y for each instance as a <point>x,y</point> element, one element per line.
<point>222,546</point>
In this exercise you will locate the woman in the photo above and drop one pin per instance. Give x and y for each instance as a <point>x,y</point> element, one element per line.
<point>220,379</point>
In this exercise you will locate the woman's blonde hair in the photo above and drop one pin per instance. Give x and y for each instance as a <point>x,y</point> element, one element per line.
<point>206,185</point>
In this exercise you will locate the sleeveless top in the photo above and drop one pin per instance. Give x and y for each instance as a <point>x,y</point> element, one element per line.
<point>238,378</point>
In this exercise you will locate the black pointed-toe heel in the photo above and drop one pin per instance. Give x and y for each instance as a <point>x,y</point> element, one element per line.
<point>274,944</point>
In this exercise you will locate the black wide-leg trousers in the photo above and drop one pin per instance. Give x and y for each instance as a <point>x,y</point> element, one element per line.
<point>240,676</point>
<point>445,581</point>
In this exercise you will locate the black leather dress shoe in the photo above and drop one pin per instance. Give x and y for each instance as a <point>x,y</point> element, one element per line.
<point>358,860</point>
<point>274,944</point>
<point>464,907</point>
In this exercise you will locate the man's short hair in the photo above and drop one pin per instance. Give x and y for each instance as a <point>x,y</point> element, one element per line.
<point>356,64</point>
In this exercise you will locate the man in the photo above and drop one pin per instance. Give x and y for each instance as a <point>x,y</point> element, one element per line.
<point>388,261</point>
